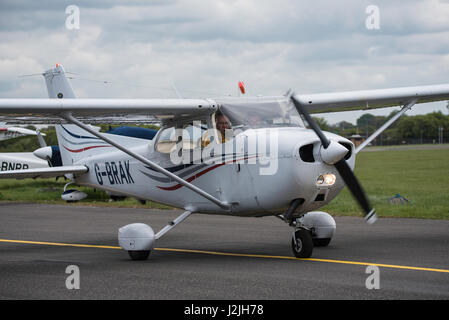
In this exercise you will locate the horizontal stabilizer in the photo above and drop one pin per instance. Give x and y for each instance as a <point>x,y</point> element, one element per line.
<point>50,172</point>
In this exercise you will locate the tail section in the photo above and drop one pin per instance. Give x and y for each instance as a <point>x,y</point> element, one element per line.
<point>58,86</point>
<point>75,143</point>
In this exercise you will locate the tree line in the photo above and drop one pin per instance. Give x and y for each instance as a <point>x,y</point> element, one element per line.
<point>407,129</point>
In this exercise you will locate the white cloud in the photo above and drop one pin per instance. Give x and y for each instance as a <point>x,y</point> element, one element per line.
<point>207,46</point>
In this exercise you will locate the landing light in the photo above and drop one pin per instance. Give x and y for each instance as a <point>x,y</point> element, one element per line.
<point>326,179</point>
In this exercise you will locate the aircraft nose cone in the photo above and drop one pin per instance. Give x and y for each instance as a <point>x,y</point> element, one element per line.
<point>333,153</point>
<point>43,153</point>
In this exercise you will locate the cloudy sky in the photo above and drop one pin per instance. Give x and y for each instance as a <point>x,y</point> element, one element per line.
<point>205,47</point>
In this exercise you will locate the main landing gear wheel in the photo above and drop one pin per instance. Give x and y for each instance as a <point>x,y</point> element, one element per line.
<point>302,243</point>
<point>139,255</point>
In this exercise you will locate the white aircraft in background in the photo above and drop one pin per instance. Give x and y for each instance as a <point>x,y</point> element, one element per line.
<point>268,163</point>
<point>50,156</point>
<point>21,160</point>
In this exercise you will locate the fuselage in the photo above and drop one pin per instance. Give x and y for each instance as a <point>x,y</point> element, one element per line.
<point>257,180</point>
<point>20,161</point>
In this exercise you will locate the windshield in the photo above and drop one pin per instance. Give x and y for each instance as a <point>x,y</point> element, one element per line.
<point>260,113</point>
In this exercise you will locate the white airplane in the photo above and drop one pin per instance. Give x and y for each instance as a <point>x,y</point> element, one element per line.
<point>267,164</point>
<point>20,160</point>
<point>23,160</point>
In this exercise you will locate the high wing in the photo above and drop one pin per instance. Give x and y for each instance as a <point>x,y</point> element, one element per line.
<point>108,109</point>
<point>19,130</point>
<point>167,110</point>
<point>49,172</point>
<point>14,132</point>
<point>371,99</point>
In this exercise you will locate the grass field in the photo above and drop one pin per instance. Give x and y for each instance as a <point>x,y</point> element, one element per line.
<point>420,175</point>
<point>49,191</point>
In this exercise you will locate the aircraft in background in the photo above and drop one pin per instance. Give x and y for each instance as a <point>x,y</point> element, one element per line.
<point>7,132</point>
<point>50,156</point>
<point>20,161</point>
<point>245,156</point>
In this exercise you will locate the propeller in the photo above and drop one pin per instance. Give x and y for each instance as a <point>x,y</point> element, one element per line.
<point>331,153</point>
<point>40,138</point>
<point>49,153</point>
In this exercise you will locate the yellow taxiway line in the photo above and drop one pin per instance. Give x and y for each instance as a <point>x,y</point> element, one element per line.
<point>233,255</point>
<point>60,244</point>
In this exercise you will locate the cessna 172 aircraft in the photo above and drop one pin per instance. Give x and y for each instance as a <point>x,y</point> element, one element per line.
<point>245,156</point>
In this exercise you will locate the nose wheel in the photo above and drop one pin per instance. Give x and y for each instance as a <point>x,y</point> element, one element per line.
<point>302,243</point>
<point>139,255</point>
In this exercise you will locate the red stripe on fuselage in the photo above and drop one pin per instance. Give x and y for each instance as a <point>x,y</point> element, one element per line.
<point>192,178</point>
<point>84,149</point>
<point>175,187</point>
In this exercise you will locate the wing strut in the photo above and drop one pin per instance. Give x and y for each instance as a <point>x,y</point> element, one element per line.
<point>70,118</point>
<point>172,224</point>
<point>404,109</point>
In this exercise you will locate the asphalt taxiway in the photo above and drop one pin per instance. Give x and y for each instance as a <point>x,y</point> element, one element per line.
<point>214,257</point>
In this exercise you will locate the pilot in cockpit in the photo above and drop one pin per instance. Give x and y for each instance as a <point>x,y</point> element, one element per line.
<point>222,124</point>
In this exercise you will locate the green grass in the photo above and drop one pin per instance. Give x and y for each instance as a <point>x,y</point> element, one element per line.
<point>50,190</point>
<point>421,176</point>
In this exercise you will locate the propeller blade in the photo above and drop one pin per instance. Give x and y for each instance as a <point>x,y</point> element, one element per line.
<point>342,166</point>
<point>41,140</point>
<point>302,110</point>
<point>356,189</point>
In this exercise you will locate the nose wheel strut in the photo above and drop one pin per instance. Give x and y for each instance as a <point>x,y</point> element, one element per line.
<point>302,242</point>
<point>288,216</point>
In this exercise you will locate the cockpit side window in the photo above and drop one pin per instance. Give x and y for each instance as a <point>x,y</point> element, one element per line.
<point>190,133</point>
<point>222,130</point>
<point>166,141</point>
<point>193,133</point>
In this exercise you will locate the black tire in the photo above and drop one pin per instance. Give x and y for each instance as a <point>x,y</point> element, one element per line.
<point>323,242</point>
<point>303,247</point>
<point>139,255</point>
<point>117,198</point>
